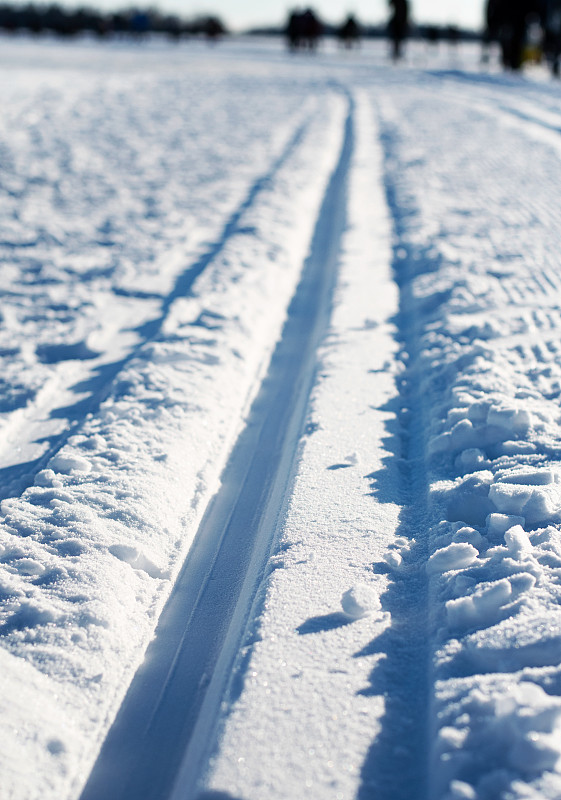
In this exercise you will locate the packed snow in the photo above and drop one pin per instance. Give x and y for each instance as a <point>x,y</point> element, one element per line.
<point>398,630</point>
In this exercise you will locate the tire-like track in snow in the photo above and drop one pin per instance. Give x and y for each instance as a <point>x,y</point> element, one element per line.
<point>164,730</point>
<point>530,114</point>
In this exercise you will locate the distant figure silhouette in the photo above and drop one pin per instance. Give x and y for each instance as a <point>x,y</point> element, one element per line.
<point>303,30</point>
<point>349,32</point>
<point>515,32</point>
<point>397,26</point>
<point>552,35</point>
<point>311,29</point>
<point>213,29</point>
<point>507,23</point>
<point>294,30</point>
<point>494,21</point>
<point>140,25</point>
<point>453,35</point>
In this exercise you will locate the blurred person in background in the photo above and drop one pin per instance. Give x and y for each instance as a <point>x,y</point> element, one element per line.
<point>349,33</point>
<point>552,35</point>
<point>303,30</point>
<point>398,25</point>
<point>493,22</point>
<point>508,23</point>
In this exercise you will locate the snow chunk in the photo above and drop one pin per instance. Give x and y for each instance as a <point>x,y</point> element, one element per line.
<point>537,503</point>
<point>29,566</point>
<point>479,411</point>
<point>479,609</point>
<point>46,477</point>
<point>360,600</point>
<point>455,556</point>
<point>498,524</point>
<point>459,790</point>
<point>393,559</point>
<point>515,420</point>
<point>471,460</point>
<point>510,448</point>
<point>31,615</point>
<point>536,477</point>
<point>66,464</point>
<point>469,535</point>
<point>54,353</point>
<point>94,442</point>
<point>136,559</point>
<point>467,499</point>
<point>463,435</point>
<point>517,541</point>
<point>536,752</point>
<point>535,720</point>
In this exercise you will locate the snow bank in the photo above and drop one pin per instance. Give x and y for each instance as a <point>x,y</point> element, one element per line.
<point>482,316</point>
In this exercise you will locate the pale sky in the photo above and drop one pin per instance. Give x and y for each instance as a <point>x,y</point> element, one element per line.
<point>239,14</point>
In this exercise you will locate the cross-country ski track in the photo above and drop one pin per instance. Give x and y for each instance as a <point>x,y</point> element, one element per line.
<point>180,687</point>
<point>279,469</point>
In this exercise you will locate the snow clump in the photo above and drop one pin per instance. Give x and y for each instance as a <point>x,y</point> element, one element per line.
<point>456,556</point>
<point>361,600</point>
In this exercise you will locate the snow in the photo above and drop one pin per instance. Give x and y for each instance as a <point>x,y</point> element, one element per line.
<point>455,556</point>
<point>360,600</point>
<point>169,213</point>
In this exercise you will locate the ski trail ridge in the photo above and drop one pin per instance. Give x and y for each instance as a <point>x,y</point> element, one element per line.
<point>90,379</point>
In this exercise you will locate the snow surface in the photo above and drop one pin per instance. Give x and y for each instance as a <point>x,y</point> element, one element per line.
<point>403,637</point>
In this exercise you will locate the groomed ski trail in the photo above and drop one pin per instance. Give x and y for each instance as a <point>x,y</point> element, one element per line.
<point>164,729</point>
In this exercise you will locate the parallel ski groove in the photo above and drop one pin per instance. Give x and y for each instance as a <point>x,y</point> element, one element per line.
<point>164,730</point>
